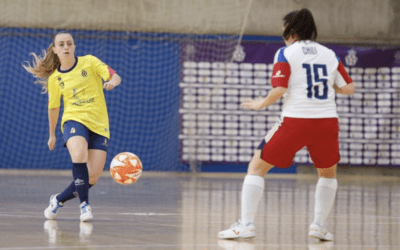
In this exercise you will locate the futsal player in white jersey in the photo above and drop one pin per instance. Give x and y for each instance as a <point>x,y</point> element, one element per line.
<point>307,75</point>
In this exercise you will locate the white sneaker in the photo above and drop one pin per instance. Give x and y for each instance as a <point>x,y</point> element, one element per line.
<point>86,212</point>
<point>319,232</point>
<point>51,211</point>
<point>238,230</point>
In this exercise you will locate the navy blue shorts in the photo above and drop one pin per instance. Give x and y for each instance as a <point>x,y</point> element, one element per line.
<point>95,141</point>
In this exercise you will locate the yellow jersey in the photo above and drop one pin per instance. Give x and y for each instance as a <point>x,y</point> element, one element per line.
<point>81,88</point>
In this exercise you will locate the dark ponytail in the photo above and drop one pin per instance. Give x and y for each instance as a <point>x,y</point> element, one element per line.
<point>300,23</point>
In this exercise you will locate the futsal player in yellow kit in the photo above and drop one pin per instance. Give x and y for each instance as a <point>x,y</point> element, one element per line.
<point>79,82</point>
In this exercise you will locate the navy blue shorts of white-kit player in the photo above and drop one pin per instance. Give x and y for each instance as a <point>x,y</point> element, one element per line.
<point>95,141</point>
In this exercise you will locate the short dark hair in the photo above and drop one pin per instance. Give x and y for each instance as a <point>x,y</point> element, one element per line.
<point>300,23</point>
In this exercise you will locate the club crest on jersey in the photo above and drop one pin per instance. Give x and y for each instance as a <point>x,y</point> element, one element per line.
<point>60,82</point>
<point>278,74</point>
<point>84,73</point>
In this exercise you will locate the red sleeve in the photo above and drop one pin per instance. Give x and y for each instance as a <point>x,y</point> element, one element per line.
<point>112,72</point>
<point>344,73</point>
<point>280,75</point>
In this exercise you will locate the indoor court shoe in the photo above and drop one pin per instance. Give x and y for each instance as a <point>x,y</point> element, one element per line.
<point>319,232</point>
<point>51,211</point>
<point>86,212</point>
<point>238,230</point>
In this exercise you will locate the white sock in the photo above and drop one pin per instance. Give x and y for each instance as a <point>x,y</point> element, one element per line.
<point>324,198</point>
<point>252,191</point>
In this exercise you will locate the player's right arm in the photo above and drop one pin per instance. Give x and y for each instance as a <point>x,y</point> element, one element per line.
<point>53,118</point>
<point>345,90</point>
<point>53,110</point>
<point>279,80</point>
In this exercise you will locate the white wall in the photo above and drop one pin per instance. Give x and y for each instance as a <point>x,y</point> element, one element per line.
<point>350,21</point>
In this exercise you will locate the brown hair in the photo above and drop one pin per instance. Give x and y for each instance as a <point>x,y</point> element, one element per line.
<point>43,66</point>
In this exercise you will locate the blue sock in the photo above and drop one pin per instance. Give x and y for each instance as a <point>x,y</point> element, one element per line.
<point>69,193</point>
<point>81,179</point>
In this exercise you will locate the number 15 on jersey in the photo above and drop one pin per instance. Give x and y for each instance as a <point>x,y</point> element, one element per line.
<point>315,70</point>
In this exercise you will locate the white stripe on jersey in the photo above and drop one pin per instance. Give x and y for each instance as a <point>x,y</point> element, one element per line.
<point>310,91</point>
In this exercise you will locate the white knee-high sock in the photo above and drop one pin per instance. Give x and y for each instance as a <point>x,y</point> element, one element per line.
<point>252,191</point>
<point>324,198</point>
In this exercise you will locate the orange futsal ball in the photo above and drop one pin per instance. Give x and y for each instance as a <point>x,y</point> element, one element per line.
<point>126,168</point>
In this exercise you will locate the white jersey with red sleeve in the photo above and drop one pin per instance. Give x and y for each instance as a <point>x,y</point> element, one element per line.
<point>308,70</point>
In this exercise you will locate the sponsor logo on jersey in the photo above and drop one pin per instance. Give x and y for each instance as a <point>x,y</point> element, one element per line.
<point>81,102</point>
<point>84,73</point>
<point>278,74</point>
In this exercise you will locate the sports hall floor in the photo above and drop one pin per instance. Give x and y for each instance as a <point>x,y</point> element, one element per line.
<point>186,211</point>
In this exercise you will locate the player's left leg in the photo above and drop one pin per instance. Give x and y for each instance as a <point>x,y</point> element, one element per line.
<point>98,146</point>
<point>96,162</point>
<point>252,192</point>
<point>253,187</point>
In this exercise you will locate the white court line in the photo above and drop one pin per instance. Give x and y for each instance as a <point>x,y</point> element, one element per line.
<point>188,246</point>
<point>148,214</point>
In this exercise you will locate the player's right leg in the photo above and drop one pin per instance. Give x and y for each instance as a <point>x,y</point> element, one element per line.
<point>54,205</point>
<point>324,198</point>
<point>76,137</point>
<point>78,150</point>
<point>277,149</point>
<point>252,191</point>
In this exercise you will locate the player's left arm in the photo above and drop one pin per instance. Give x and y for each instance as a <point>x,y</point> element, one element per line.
<point>114,81</point>
<point>111,78</point>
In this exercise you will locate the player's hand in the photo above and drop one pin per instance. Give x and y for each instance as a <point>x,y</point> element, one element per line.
<point>52,142</point>
<point>109,86</point>
<point>253,104</point>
